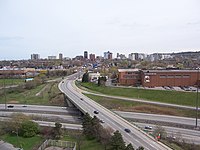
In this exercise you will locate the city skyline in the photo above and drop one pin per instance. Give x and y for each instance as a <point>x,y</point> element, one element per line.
<point>71,27</point>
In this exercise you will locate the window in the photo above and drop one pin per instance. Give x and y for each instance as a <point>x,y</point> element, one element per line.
<point>170,76</point>
<point>163,76</point>
<point>186,76</point>
<point>178,76</point>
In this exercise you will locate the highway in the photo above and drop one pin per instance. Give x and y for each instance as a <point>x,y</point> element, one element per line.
<point>158,118</point>
<point>52,124</point>
<point>190,136</point>
<point>21,107</point>
<point>66,115</point>
<point>137,137</point>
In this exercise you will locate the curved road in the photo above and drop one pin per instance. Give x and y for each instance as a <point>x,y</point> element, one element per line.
<point>137,137</point>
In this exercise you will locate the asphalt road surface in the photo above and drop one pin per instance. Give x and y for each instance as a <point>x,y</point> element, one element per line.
<point>137,137</point>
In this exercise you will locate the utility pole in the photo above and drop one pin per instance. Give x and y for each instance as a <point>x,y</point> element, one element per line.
<point>197,100</point>
<point>4,89</point>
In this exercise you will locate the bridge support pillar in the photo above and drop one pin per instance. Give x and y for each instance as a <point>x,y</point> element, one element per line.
<point>68,103</point>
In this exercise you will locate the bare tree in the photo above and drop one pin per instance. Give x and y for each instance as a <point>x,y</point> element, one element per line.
<point>78,136</point>
<point>105,136</point>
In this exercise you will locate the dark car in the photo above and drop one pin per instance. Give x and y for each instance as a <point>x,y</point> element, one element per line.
<point>81,99</point>
<point>127,130</point>
<point>101,121</point>
<point>10,106</point>
<point>96,112</point>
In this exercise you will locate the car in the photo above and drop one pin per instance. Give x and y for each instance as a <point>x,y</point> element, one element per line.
<point>96,112</point>
<point>81,99</point>
<point>101,121</point>
<point>148,127</point>
<point>24,106</point>
<point>127,130</point>
<point>64,108</point>
<point>10,106</point>
<point>62,81</point>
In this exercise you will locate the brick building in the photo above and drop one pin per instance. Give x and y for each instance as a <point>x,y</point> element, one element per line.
<point>153,78</point>
<point>129,77</point>
<point>156,78</point>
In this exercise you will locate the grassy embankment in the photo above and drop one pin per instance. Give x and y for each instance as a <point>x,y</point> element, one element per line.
<point>26,143</point>
<point>33,142</point>
<point>45,94</point>
<point>9,82</point>
<point>173,97</point>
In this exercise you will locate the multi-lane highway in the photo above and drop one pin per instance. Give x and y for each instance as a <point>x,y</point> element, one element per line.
<point>158,118</point>
<point>70,119</point>
<point>137,137</point>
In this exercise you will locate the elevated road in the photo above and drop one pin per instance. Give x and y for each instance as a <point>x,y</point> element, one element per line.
<point>137,137</point>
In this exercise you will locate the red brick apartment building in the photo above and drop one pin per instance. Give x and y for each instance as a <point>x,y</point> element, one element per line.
<point>156,78</point>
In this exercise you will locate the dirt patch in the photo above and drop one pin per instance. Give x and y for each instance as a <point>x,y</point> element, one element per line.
<point>13,101</point>
<point>149,109</point>
<point>57,100</point>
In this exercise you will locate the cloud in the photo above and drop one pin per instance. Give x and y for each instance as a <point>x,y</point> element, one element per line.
<point>8,38</point>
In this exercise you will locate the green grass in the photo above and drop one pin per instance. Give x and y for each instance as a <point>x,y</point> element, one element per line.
<point>26,143</point>
<point>87,144</point>
<point>172,97</point>
<point>116,104</point>
<point>24,96</point>
<point>10,82</point>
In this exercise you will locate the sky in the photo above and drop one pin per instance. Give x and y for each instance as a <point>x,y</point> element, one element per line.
<point>50,27</point>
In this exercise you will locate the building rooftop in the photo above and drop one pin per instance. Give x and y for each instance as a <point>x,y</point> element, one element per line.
<point>128,70</point>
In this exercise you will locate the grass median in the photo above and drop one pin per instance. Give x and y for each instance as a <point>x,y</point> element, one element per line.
<point>171,97</point>
<point>131,106</point>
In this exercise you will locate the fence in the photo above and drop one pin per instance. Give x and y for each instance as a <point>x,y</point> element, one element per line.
<point>65,144</point>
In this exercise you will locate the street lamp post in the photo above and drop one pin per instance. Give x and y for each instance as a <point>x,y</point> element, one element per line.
<point>197,99</point>
<point>4,89</point>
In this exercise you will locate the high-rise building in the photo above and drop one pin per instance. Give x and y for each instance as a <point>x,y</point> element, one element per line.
<point>35,56</point>
<point>107,55</point>
<point>85,55</point>
<point>60,56</point>
<point>92,57</point>
<point>51,57</point>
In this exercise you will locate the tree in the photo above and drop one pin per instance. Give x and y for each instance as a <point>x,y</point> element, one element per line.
<point>78,136</point>
<point>159,131</point>
<point>29,128</point>
<point>14,125</point>
<point>105,136</point>
<point>57,130</point>
<point>117,142</point>
<point>140,148</point>
<point>96,127</point>
<point>129,147</point>
<point>85,77</point>
<point>47,132</point>
<point>87,126</point>
<point>101,81</point>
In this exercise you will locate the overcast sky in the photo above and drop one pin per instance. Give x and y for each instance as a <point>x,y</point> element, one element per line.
<point>49,27</point>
